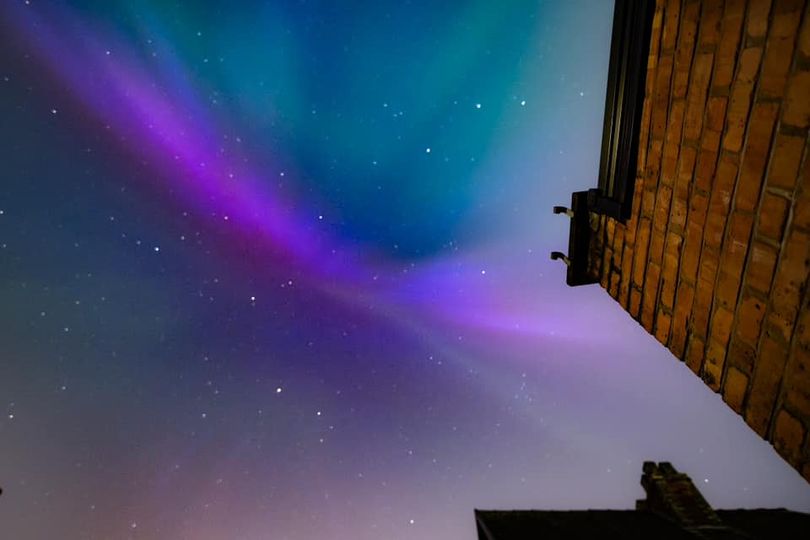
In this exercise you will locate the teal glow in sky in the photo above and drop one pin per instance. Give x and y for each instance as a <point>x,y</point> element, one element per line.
<point>280,271</point>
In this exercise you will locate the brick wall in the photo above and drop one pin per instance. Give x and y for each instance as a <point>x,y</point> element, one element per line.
<point>714,261</point>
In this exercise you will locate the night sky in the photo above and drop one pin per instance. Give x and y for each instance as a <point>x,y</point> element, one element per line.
<point>280,271</point>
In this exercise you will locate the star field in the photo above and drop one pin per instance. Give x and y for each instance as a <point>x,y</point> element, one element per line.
<point>279,270</point>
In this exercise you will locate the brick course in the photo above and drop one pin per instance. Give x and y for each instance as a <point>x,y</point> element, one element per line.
<point>715,258</point>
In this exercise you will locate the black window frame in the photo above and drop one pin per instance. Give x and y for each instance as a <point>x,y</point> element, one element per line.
<point>624,102</point>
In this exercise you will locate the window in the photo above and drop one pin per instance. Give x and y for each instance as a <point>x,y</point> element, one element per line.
<point>629,48</point>
<point>624,101</point>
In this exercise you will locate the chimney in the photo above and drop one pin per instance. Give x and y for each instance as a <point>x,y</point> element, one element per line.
<point>673,495</point>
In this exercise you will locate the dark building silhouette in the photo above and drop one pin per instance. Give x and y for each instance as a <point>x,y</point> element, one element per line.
<point>700,225</point>
<point>673,510</point>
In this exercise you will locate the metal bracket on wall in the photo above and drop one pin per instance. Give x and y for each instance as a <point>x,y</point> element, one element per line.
<point>579,239</point>
<point>555,255</point>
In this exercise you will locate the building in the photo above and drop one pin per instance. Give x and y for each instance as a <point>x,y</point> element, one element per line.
<point>700,225</point>
<point>673,510</point>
